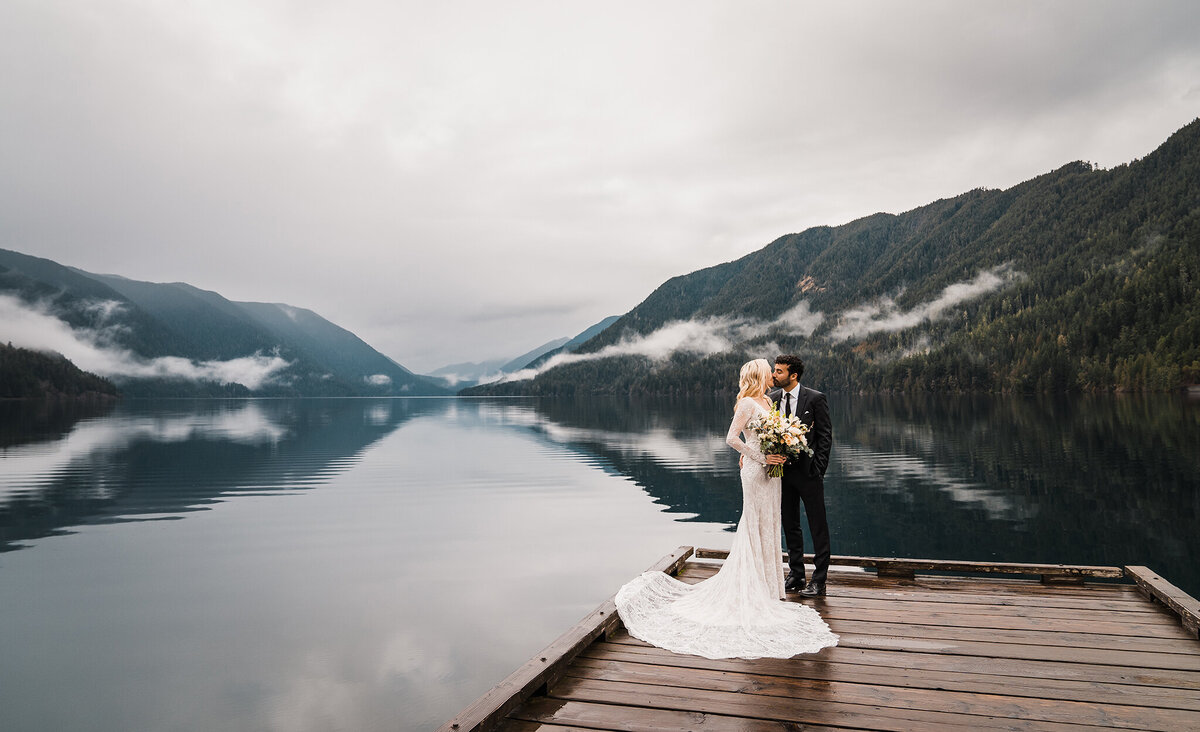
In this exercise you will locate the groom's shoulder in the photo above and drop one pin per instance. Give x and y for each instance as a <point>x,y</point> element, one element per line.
<point>773,394</point>
<point>812,393</point>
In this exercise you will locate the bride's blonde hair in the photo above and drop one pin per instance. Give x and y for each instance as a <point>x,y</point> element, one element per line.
<point>753,379</point>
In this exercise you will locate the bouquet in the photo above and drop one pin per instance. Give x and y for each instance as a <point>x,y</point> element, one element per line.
<point>780,435</point>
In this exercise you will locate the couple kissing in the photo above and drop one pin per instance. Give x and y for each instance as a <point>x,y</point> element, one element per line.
<point>737,612</point>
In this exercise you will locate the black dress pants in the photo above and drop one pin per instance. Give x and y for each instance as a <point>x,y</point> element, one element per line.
<point>810,492</point>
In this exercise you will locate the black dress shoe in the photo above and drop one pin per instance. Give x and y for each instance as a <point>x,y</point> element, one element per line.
<point>812,589</point>
<point>793,583</point>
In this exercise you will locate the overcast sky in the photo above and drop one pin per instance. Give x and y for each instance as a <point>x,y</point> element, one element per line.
<point>460,181</point>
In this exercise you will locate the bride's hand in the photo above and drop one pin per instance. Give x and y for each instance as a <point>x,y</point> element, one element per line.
<point>776,459</point>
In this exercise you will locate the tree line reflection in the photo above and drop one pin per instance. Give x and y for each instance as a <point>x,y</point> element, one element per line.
<point>67,465</point>
<point>1084,479</point>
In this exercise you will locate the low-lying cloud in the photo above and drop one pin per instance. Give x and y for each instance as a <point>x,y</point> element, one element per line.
<point>701,337</point>
<point>37,328</point>
<point>884,316</point>
<point>715,335</point>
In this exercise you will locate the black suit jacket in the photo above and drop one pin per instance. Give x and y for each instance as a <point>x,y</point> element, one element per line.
<point>813,409</point>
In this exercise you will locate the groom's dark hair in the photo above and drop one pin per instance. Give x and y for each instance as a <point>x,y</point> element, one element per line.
<point>794,364</point>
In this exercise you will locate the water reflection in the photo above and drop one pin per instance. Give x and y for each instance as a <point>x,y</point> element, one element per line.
<point>65,467</point>
<point>24,421</point>
<point>447,540</point>
<point>1089,480</point>
<point>676,452</point>
<point>896,473</point>
<point>452,538</point>
<point>1092,480</point>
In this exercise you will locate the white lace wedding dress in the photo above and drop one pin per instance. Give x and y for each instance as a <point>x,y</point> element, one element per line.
<point>736,613</point>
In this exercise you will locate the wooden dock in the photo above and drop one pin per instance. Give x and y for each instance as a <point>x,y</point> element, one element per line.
<point>1013,647</point>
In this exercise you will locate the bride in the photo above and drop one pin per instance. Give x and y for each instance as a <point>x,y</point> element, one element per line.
<point>736,613</point>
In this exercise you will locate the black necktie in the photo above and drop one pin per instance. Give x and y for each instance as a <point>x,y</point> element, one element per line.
<point>787,404</point>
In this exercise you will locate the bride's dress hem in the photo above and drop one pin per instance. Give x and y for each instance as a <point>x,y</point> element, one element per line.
<point>660,610</point>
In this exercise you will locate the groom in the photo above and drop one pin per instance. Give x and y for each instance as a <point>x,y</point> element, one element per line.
<point>804,477</point>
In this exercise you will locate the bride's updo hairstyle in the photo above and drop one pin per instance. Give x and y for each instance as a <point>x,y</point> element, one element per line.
<point>753,379</point>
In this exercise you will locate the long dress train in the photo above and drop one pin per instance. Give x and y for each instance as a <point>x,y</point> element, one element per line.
<point>736,613</point>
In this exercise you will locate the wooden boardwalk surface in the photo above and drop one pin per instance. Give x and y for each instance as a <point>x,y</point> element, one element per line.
<point>917,652</point>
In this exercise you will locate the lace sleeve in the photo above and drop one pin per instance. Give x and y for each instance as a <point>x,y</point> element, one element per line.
<point>745,410</point>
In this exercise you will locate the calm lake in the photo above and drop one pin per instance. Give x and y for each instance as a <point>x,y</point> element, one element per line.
<point>362,564</point>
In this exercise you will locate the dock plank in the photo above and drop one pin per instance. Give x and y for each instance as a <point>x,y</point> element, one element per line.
<point>1134,606</point>
<point>521,725</point>
<point>1113,657</point>
<point>1085,624</point>
<point>1036,637</point>
<point>999,650</point>
<point>1105,692</point>
<point>836,600</point>
<point>1146,678</point>
<point>806,710</point>
<point>632,718</point>
<point>907,698</point>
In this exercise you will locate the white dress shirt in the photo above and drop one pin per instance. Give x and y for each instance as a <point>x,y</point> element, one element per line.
<point>795,392</point>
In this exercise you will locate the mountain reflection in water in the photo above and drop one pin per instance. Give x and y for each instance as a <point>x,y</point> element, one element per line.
<point>68,465</point>
<point>1089,480</point>
<point>1097,480</point>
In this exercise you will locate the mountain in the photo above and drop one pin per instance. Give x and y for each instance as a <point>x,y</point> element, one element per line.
<point>574,344</point>
<point>467,373</point>
<point>174,339</point>
<point>1082,279</point>
<point>524,359</point>
<point>342,353</point>
<point>590,333</point>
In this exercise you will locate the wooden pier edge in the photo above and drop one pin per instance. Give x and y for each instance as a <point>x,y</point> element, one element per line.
<point>1153,586</point>
<point>562,670</point>
<point>1158,589</point>
<point>898,567</point>
<point>543,669</point>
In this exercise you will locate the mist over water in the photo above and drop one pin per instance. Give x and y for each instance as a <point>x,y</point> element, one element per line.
<point>375,564</point>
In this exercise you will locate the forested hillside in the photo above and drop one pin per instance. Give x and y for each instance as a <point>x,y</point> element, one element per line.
<point>1081,279</point>
<point>26,374</point>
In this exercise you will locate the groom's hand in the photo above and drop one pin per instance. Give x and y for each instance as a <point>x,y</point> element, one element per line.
<point>741,461</point>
